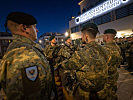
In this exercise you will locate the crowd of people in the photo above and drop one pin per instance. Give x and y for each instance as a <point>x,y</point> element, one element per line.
<point>126,46</point>
<point>59,72</point>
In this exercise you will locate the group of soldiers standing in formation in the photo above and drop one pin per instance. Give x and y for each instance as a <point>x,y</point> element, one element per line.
<point>126,46</point>
<point>68,72</point>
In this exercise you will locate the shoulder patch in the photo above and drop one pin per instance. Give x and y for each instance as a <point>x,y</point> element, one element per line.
<point>32,73</point>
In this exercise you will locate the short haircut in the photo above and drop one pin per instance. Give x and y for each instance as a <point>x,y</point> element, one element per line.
<point>91,32</point>
<point>91,29</point>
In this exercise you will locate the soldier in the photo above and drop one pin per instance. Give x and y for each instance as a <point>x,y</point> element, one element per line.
<point>122,46</point>
<point>48,50</point>
<point>52,40</point>
<point>68,40</point>
<point>69,46</point>
<point>51,52</point>
<point>129,54</point>
<point>67,76</point>
<point>25,72</point>
<point>90,65</point>
<point>114,61</point>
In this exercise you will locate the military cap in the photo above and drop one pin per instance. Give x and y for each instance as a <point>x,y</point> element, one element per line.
<point>51,37</point>
<point>22,18</point>
<point>89,25</point>
<point>67,38</point>
<point>110,31</point>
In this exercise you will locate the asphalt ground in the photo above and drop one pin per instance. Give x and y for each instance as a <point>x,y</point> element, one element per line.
<point>125,84</point>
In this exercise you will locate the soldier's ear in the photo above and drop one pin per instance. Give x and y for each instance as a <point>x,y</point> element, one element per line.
<point>87,36</point>
<point>107,37</point>
<point>22,28</point>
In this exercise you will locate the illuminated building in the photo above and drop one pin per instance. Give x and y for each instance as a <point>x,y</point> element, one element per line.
<point>117,14</point>
<point>44,39</point>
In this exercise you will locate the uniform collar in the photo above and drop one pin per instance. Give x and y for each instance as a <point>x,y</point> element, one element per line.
<point>23,39</point>
<point>110,43</point>
<point>91,43</point>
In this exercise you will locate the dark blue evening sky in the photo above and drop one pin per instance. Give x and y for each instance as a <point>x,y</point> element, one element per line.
<point>52,15</point>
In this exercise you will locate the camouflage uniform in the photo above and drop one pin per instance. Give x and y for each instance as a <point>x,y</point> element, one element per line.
<point>91,70</point>
<point>114,59</point>
<point>123,46</point>
<point>57,54</point>
<point>67,76</point>
<point>129,55</point>
<point>51,52</point>
<point>25,73</point>
<point>67,50</point>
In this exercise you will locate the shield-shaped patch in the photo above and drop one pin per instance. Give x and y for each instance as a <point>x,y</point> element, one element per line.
<point>32,73</point>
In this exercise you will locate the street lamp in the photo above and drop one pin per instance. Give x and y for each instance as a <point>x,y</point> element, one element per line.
<point>66,34</point>
<point>40,41</point>
<point>73,17</point>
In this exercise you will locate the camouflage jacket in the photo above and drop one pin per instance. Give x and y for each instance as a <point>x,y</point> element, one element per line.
<point>129,50</point>
<point>51,52</point>
<point>58,53</point>
<point>67,76</point>
<point>66,51</point>
<point>113,60</point>
<point>25,73</point>
<point>91,69</point>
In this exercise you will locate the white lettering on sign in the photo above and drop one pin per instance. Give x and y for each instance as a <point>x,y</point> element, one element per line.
<point>98,10</point>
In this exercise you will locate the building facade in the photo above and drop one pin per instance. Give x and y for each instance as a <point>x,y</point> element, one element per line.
<point>44,39</point>
<point>5,40</point>
<point>117,14</point>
